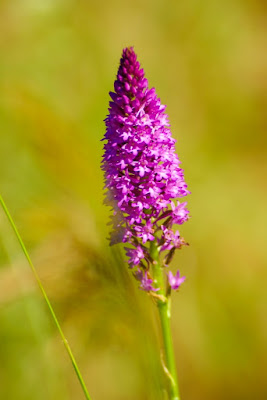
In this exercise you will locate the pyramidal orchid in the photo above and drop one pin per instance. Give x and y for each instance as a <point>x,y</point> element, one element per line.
<point>144,181</point>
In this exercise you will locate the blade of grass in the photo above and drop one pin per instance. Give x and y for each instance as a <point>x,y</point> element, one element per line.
<point>65,342</point>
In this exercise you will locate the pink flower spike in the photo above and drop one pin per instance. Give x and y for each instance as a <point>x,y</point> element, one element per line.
<point>175,281</point>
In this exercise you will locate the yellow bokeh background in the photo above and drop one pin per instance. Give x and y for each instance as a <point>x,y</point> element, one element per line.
<point>207,61</point>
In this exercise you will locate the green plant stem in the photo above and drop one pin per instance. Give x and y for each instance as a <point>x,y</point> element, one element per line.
<point>65,342</point>
<point>163,304</point>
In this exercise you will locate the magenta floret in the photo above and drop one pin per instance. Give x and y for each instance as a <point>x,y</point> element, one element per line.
<point>175,281</point>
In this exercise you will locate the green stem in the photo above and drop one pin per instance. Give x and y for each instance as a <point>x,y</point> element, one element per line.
<point>163,304</point>
<point>65,342</point>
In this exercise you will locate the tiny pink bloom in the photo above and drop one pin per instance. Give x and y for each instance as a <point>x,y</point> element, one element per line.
<point>146,283</point>
<point>135,255</point>
<point>175,281</point>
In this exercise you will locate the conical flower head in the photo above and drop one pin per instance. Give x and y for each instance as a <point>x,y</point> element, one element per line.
<point>142,170</point>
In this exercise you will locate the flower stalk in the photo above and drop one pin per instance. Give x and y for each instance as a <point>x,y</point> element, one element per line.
<point>163,304</point>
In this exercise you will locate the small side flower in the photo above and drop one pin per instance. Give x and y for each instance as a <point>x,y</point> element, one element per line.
<point>175,281</point>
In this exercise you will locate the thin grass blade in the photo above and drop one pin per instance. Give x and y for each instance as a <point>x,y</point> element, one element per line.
<point>65,342</point>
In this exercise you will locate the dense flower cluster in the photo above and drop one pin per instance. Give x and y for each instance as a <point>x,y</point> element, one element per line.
<point>142,172</point>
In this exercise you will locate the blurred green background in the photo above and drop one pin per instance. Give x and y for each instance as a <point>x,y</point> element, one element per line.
<point>58,60</point>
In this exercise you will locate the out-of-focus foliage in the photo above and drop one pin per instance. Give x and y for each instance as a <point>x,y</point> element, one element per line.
<point>58,61</point>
